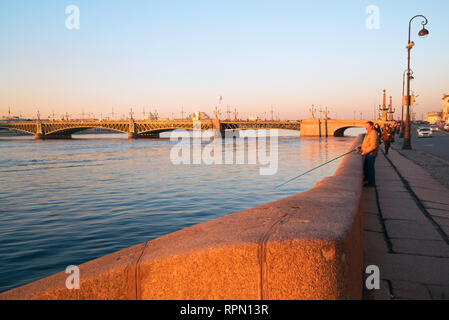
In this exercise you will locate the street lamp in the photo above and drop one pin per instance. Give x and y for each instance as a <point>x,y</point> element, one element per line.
<point>403,95</point>
<point>424,32</point>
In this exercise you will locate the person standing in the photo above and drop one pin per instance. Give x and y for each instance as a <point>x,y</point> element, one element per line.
<point>387,137</point>
<point>369,148</point>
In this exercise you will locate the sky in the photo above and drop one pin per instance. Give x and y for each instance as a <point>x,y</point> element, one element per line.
<point>169,54</point>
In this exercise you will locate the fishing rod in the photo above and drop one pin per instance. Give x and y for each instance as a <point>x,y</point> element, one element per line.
<point>303,174</point>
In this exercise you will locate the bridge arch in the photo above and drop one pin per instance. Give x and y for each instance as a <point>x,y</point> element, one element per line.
<point>162,130</point>
<point>74,130</point>
<point>18,129</point>
<point>340,132</point>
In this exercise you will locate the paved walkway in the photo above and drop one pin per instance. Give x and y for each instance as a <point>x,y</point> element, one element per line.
<point>435,163</point>
<point>406,231</point>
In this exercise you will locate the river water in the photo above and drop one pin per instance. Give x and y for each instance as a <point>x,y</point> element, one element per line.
<point>70,201</point>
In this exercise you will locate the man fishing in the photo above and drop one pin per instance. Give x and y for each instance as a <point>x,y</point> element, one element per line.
<point>369,147</point>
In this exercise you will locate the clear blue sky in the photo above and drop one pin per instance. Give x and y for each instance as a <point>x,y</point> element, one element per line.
<point>164,54</point>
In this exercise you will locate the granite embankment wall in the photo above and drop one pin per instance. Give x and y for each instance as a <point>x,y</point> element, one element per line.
<point>306,246</point>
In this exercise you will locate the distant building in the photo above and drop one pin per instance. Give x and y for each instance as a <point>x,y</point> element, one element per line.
<point>151,116</point>
<point>198,115</point>
<point>11,118</point>
<point>445,115</point>
<point>433,117</point>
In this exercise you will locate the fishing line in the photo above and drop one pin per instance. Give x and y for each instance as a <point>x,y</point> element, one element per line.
<point>303,174</point>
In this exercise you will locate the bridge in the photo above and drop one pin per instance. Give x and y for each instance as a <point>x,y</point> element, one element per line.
<point>151,129</point>
<point>139,129</point>
<point>333,128</point>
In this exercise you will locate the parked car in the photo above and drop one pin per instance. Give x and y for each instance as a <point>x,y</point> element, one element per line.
<point>425,133</point>
<point>440,125</point>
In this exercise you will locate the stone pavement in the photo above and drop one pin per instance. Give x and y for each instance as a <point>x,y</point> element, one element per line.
<point>406,231</point>
<point>437,167</point>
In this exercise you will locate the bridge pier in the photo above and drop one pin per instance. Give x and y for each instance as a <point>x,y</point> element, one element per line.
<point>219,129</point>
<point>311,128</point>
<point>39,136</point>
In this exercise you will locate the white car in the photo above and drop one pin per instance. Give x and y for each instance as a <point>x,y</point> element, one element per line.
<point>425,133</point>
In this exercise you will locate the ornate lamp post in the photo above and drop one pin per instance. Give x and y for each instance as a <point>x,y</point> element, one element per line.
<point>217,109</point>
<point>312,111</point>
<point>424,32</point>
<point>326,117</point>
<point>403,95</point>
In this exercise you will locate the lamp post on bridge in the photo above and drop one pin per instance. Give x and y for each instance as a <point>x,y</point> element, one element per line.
<point>217,109</point>
<point>319,121</point>
<point>326,117</point>
<point>312,111</point>
<point>407,144</point>
<point>228,113</point>
<point>217,113</point>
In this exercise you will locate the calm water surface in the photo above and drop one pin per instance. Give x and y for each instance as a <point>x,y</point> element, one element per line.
<point>66,202</point>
